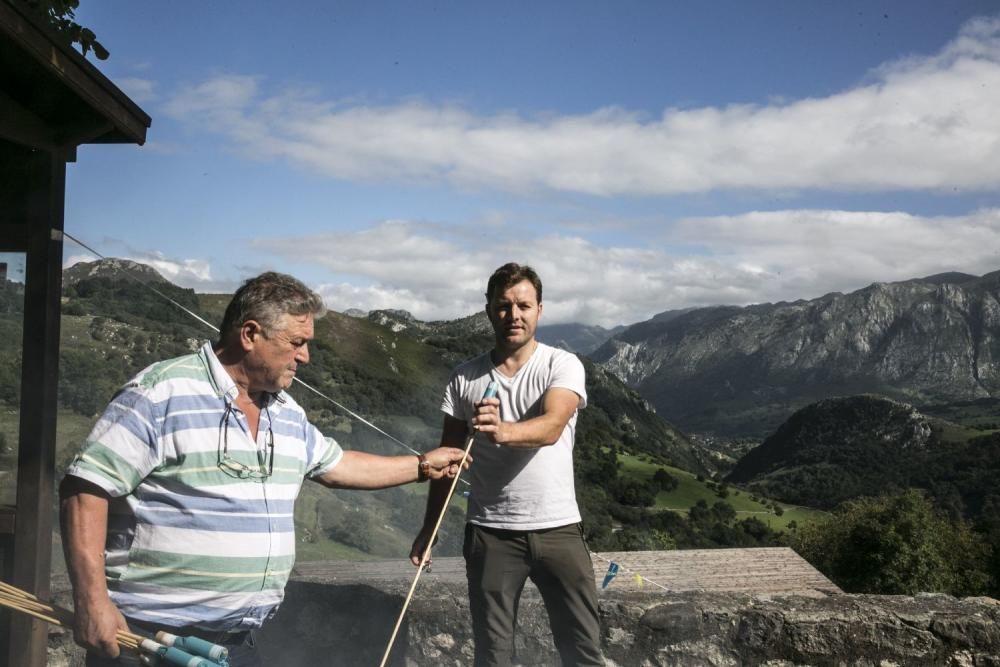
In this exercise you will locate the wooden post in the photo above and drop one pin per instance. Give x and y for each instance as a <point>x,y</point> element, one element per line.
<point>39,383</point>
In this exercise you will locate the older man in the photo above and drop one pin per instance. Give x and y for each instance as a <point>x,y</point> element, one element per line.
<point>178,512</point>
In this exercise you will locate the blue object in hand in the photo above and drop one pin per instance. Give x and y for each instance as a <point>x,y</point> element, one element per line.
<point>491,389</point>
<point>491,392</point>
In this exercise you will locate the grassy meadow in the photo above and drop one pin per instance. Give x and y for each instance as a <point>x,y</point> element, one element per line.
<point>690,490</point>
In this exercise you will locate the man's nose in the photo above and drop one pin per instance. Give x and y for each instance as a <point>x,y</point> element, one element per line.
<point>302,356</point>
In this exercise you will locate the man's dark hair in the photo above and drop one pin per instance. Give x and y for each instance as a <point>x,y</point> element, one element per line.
<point>509,275</point>
<point>266,299</point>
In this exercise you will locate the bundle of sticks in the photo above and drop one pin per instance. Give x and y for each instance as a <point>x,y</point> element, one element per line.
<point>175,651</point>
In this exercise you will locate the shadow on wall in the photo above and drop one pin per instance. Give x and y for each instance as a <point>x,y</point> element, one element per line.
<point>323,624</point>
<point>331,625</point>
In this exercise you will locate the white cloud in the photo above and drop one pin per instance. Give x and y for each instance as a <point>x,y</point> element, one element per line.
<point>222,95</point>
<point>70,260</point>
<point>193,273</point>
<point>139,90</point>
<point>806,253</point>
<point>923,123</point>
<point>400,265</point>
<point>750,258</point>
<point>439,272</point>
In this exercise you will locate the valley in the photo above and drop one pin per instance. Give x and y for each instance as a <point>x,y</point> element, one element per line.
<point>642,481</point>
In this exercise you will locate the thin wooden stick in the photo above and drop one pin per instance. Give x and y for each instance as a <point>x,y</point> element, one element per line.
<point>26,603</point>
<point>15,592</point>
<point>491,392</point>
<point>21,604</point>
<point>427,551</point>
<point>31,612</point>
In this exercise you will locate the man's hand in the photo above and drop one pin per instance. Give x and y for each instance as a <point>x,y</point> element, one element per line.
<point>419,546</point>
<point>487,421</point>
<point>558,406</point>
<point>444,462</point>
<point>96,624</point>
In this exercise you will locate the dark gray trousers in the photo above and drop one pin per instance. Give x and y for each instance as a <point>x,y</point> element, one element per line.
<point>499,562</point>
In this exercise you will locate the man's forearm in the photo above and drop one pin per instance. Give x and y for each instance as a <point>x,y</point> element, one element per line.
<point>360,470</point>
<point>540,431</point>
<point>558,406</point>
<point>453,436</point>
<point>437,494</point>
<point>84,522</point>
<point>83,517</point>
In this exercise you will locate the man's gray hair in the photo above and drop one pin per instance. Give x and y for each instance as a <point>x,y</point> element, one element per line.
<point>266,299</point>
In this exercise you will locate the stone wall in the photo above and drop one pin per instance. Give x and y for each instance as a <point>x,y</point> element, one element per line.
<point>348,625</point>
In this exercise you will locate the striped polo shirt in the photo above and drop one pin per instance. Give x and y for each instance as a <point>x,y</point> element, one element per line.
<point>200,525</point>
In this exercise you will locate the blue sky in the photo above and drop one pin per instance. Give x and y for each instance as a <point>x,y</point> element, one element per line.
<point>643,156</point>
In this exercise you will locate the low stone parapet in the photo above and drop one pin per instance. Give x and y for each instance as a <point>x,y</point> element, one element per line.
<point>340,619</point>
<point>350,625</point>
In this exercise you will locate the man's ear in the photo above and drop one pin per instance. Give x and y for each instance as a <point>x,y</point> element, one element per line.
<point>539,309</point>
<point>249,332</point>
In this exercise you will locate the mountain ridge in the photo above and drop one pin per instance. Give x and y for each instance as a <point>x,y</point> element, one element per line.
<point>112,267</point>
<point>741,370</point>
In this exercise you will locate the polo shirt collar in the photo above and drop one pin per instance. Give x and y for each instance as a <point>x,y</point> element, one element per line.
<point>223,383</point>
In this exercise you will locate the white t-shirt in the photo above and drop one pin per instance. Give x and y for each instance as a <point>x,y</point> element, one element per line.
<point>520,488</point>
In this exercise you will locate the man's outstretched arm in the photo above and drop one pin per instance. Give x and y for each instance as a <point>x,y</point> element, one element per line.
<point>84,521</point>
<point>360,470</point>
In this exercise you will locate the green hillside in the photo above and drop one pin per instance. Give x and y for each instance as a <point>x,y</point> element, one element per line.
<point>839,449</point>
<point>113,326</point>
<point>693,488</point>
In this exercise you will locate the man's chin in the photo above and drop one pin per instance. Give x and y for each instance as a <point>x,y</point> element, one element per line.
<point>283,384</point>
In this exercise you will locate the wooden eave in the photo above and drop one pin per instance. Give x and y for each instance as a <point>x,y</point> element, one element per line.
<point>51,97</point>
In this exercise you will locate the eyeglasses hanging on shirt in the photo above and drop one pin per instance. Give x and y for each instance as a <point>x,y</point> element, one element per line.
<point>234,468</point>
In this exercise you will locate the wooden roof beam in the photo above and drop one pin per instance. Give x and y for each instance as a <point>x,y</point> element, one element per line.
<point>19,125</point>
<point>74,72</point>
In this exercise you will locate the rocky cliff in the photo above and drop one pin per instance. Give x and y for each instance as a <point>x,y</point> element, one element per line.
<point>743,370</point>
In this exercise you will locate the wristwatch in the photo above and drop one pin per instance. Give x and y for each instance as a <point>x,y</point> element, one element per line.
<point>423,465</point>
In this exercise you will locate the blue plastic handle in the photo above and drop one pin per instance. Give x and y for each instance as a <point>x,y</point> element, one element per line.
<point>198,646</point>
<point>175,656</point>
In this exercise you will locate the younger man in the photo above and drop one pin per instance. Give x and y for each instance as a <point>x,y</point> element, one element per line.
<point>523,520</point>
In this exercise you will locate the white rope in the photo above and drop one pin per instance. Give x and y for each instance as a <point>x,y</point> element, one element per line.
<point>356,415</point>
